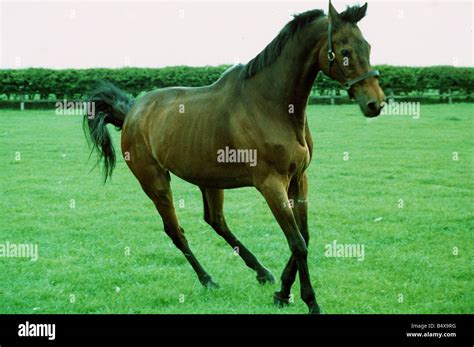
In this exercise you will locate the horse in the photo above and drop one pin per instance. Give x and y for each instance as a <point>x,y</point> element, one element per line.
<point>260,107</point>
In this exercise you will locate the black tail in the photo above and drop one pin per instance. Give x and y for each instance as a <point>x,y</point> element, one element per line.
<point>110,105</point>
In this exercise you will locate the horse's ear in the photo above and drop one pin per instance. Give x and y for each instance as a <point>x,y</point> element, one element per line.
<point>361,13</point>
<point>333,16</point>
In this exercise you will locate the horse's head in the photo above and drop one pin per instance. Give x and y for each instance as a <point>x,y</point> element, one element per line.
<point>345,58</point>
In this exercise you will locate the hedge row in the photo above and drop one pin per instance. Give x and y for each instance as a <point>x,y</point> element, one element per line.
<point>71,83</point>
<point>417,79</point>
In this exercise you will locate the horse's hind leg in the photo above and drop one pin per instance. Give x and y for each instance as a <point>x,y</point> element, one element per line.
<point>156,184</point>
<point>214,215</point>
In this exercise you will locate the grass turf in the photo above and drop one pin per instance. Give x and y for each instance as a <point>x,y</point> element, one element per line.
<point>84,265</point>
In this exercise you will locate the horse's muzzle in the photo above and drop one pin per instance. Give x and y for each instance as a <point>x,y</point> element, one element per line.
<point>373,108</point>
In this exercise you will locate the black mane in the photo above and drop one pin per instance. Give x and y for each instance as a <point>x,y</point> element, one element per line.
<point>273,50</point>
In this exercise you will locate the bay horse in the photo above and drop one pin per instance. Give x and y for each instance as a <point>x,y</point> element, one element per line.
<point>257,107</point>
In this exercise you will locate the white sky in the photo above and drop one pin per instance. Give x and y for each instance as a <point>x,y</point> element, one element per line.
<point>81,34</point>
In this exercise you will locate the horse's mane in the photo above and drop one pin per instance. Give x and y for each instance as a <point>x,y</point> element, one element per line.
<point>273,50</point>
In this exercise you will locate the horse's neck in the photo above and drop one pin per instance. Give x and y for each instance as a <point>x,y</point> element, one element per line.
<point>287,83</point>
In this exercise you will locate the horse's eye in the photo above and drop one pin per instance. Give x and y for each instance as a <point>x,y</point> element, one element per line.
<point>345,53</point>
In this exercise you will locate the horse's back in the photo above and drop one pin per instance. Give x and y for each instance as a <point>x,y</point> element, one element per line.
<point>187,100</point>
<point>194,123</point>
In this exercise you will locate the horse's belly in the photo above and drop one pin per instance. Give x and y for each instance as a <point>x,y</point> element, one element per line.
<point>218,178</point>
<point>221,183</point>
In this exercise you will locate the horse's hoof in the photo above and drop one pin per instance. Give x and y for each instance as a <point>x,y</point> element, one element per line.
<point>212,285</point>
<point>265,278</point>
<point>280,301</point>
<point>208,283</point>
<point>315,310</point>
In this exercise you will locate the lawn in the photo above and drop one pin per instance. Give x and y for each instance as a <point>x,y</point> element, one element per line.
<point>102,248</point>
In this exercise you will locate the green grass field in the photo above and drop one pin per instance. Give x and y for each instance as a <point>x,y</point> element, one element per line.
<point>410,252</point>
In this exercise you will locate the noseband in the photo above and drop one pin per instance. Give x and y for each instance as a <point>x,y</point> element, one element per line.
<point>332,57</point>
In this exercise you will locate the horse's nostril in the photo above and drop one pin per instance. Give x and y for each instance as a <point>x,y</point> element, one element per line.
<point>372,106</point>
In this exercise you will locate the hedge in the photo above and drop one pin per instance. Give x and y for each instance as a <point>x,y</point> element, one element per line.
<point>416,79</point>
<point>74,83</point>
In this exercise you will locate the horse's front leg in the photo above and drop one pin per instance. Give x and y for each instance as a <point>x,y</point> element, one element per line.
<point>273,188</point>
<point>298,199</point>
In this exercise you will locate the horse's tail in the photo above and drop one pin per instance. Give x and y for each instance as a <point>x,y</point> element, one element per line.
<point>110,105</point>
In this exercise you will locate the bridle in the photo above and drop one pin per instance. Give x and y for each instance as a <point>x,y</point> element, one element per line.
<point>332,57</point>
